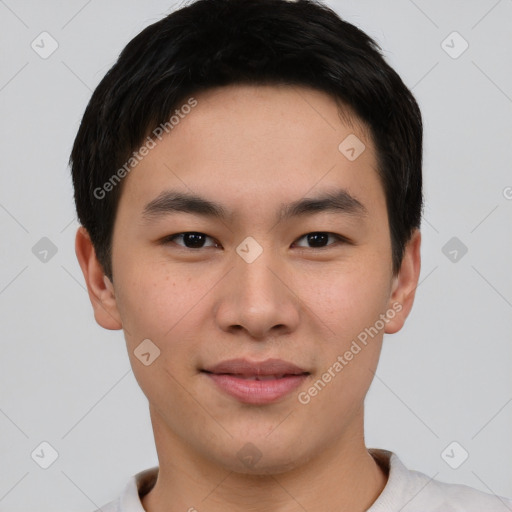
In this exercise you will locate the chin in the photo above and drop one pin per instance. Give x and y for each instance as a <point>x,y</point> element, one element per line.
<point>264,467</point>
<point>263,458</point>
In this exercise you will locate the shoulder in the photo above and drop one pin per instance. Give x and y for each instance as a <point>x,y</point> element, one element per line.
<point>129,499</point>
<point>413,491</point>
<point>445,497</point>
<point>112,506</point>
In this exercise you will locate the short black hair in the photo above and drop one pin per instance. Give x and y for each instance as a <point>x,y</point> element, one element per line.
<point>212,43</point>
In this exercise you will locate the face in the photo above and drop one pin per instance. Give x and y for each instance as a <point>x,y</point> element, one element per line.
<point>288,273</point>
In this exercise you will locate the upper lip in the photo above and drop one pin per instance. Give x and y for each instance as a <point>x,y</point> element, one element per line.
<point>246,367</point>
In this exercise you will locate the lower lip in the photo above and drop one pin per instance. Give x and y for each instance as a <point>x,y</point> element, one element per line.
<point>256,391</point>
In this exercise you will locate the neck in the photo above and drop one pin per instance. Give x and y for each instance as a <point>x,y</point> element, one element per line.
<point>343,477</point>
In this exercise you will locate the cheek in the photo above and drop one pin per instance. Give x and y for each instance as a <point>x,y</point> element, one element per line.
<point>348,299</point>
<point>152,301</point>
<point>350,305</point>
<point>159,306</point>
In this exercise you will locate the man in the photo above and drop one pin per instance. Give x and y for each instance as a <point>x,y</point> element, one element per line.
<point>248,180</point>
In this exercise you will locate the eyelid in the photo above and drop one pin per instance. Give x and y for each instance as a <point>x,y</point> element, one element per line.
<point>170,238</point>
<point>339,239</point>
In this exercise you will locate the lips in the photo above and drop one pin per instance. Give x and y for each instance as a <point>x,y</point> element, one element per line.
<point>255,382</point>
<point>244,368</point>
<point>258,377</point>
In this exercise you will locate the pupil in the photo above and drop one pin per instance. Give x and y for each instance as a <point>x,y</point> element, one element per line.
<point>314,238</point>
<point>194,240</point>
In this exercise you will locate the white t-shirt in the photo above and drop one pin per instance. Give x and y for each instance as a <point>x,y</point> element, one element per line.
<point>405,491</point>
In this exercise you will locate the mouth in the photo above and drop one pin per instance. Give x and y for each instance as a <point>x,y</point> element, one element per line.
<point>255,377</point>
<point>256,383</point>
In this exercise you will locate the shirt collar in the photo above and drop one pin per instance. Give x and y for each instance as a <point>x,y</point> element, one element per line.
<point>141,483</point>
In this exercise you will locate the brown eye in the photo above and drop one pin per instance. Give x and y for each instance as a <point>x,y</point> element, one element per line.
<point>191,240</point>
<point>319,239</point>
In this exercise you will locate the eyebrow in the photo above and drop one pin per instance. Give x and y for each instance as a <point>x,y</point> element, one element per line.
<point>169,202</point>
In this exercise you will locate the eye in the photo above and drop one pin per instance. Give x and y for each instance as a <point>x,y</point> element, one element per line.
<point>191,240</point>
<point>319,239</point>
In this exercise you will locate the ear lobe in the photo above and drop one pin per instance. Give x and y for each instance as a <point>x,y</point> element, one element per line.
<point>100,289</point>
<point>404,284</point>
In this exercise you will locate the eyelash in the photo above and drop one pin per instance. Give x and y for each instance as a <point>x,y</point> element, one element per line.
<point>339,239</point>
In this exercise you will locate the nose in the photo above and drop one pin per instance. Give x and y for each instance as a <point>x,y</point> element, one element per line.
<point>258,299</point>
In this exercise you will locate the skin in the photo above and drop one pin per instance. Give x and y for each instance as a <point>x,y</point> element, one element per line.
<point>252,148</point>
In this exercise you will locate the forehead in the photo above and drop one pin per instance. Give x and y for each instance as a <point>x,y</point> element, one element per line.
<point>250,144</point>
<point>273,117</point>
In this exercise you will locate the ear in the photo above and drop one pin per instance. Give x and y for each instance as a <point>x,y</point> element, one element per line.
<point>99,287</point>
<point>404,284</point>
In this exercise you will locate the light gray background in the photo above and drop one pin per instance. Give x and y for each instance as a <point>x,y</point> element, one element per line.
<point>445,377</point>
